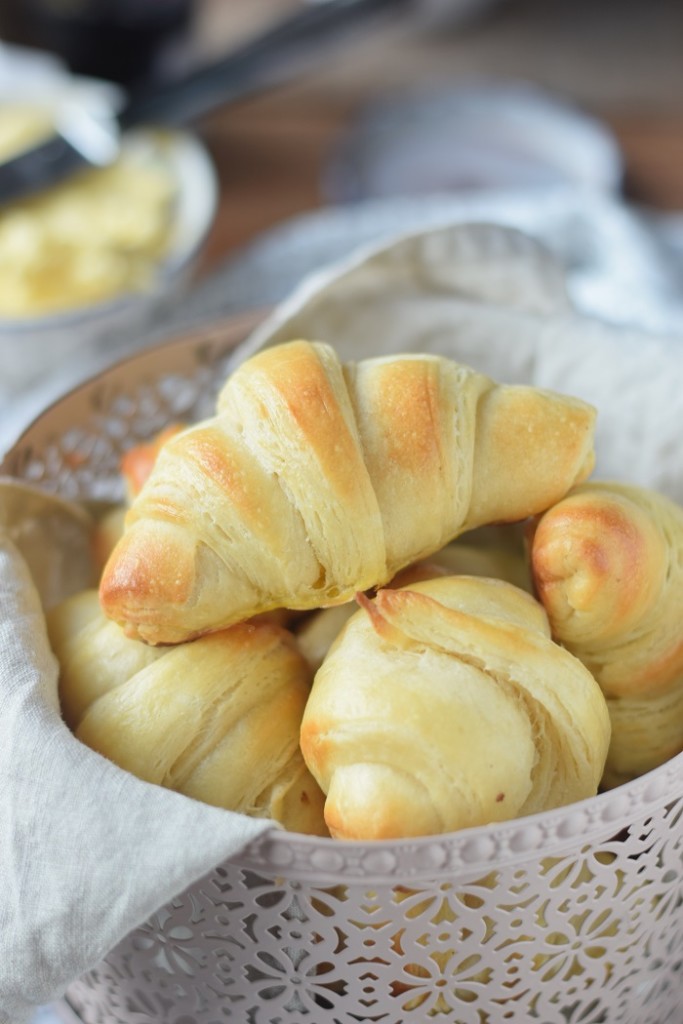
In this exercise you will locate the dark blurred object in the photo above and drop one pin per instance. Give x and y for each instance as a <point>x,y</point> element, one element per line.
<point>124,41</point>
<point>285,49</point>
<point>442,14</point>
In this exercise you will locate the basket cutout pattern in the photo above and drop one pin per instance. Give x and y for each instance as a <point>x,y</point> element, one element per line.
<point>79,457</point>
<point>593,936</point>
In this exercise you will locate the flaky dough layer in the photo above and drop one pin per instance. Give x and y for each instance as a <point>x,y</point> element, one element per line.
<point>216,719</point>
<point>607,563</point>
<point>447,705</point>
<point>317,479</point>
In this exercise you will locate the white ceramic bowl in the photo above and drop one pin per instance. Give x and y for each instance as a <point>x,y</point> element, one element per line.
<point>32,349</point>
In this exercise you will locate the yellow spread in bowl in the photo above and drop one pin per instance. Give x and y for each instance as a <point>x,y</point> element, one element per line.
<point>98,235</point>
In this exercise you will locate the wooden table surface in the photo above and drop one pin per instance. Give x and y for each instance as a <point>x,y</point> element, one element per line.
<point>621,62</point>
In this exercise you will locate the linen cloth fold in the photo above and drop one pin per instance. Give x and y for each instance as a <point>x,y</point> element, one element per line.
<point>88,852</point>
<point>495,299</point>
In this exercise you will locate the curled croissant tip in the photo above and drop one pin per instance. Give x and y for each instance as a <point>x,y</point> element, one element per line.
<point>367,605</point>
<point>380,623</point>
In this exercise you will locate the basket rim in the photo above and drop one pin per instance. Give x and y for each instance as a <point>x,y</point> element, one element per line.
<point>175,352</point>
<point>468,851</point>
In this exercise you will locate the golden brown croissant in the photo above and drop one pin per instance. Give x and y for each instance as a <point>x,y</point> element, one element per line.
<point>608,566</point>
<point>497,552</point>
<point>447,705</point>
<point>217,719</point>
<point>317,480</point>
<point>108,530</point>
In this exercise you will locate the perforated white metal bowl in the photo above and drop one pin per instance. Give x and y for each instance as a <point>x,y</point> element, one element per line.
<point>570,916</point>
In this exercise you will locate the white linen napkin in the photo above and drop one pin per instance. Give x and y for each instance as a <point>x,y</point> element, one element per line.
<point>87,852</point>
<point>494,299</point>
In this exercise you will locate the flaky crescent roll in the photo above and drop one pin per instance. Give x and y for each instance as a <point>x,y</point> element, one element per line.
<point>317,480</point>
<point>447,705</point>
<point>607,563</point>
<point>217,719</point>
<point>497,552</point>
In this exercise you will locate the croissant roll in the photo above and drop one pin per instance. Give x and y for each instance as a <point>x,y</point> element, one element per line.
<point>216,719</point>
<point>607,563</point>
<point>317,480</point>
<point>137,463</point>
<point>447,705</point>
<point>500,555</point>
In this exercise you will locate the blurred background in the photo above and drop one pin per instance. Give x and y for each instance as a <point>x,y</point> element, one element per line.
<point>618,59</point>
<point>436,98</point>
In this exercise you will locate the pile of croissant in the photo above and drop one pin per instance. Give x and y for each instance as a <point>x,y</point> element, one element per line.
<point>291,624</point>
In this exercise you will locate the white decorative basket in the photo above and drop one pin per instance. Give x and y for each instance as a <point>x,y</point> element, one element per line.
<point>568,917</point>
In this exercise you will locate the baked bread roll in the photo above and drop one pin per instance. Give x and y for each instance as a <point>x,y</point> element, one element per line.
<point>317,480</point>
<point>217,719</point>
<point>498,552</point>
<point>137,463</point>
<point>447,705</point>
<point>607,563</point>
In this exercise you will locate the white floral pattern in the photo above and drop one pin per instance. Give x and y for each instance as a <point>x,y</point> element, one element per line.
<point>589,935</point>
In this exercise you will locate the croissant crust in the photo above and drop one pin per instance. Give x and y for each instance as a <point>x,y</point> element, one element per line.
<point>607,563</point>
<point>446,705</point>
<point>317,480</point>
<point>216,719</point>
